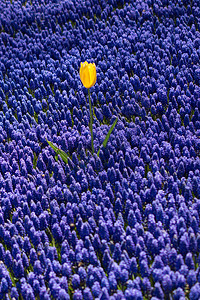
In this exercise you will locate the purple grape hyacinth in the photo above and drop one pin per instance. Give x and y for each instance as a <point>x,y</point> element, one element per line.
<point>123,224</point>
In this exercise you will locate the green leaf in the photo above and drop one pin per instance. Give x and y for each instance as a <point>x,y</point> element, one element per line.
<point>62,153</point>
<point>64,156</point>
<point>108,135</point>
<point>98,152</point>
<point>34,160</point>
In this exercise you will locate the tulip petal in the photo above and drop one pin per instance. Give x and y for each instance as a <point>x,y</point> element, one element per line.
<point>84,74</point>
<point>86,77</point>
<point>94,75</point>
<point>92,71</point>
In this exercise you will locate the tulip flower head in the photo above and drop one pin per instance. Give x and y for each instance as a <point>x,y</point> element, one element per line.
<point>88,74</point>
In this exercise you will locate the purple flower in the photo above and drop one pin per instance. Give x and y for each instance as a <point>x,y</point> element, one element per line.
<point>27,291</point>
<point>66,270</point>
<point>3,286</point>
<point>96,289</point>
<point>158,263</point>
<point>133,294</point>
<point>87,295</point>
<point>195,292</point>
<point>184,271</point>
<point>124,276</point>
<point>146,286</point>
<point>85,230</point>
<point>18,268</point>
<point>112,281</point>
<point>54,288</point>
<point>144,269</point>
<point>77,295</point>
<point>183,245</point>
<point>158,291</point>
<point>117,252</point>
<point>167,284</point>
<point>57,233</point>
<point>43,221</point>
<point>178,294</point>
<point>25,260</point>
<point>191,278</point>
<point>133,266</point>
<point>75,281</point>
<point>36,286</point>
<point>132,220</point>
<point>14,293</point>
<point>179,261</point>
<point>104,294</point>
<point>104,283</point>
<point>130,245</point>
<point>189,261</point>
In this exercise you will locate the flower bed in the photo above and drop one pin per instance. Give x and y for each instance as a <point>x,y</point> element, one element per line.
<point>123,224</point>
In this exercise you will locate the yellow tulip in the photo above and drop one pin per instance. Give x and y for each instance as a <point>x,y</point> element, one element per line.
<point>88,74</point>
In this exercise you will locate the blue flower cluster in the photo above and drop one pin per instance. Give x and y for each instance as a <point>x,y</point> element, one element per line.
<point>126,224</point>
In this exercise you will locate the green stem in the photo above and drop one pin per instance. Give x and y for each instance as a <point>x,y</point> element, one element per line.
<point>91,122</point>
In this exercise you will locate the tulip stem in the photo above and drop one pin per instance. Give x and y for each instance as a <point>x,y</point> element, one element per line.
<point>91,121</point>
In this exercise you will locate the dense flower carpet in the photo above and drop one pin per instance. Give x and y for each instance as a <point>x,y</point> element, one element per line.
<point>124,224</point>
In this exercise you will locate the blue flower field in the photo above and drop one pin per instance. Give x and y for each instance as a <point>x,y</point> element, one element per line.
<point>124,222</point>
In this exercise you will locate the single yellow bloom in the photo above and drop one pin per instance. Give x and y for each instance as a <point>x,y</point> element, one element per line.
<point>88,74</point>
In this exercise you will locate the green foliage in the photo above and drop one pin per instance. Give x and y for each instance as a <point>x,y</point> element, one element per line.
<point>58,151</point>
<point>108,135</point>
<point>34,160</point>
